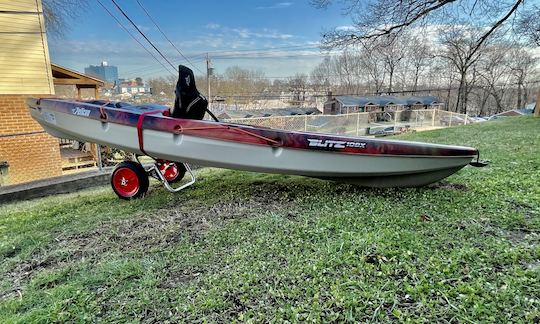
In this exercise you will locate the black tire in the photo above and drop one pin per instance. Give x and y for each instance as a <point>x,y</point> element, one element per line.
<point>129,180</point>
<point>181,171</point>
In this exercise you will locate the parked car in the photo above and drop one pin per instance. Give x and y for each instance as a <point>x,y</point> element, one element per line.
<point>388,130</point>
<point>478,119</point>
<point>381,130</point>
<point>497,117</point>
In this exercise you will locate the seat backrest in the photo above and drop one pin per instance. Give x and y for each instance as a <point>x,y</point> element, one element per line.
<point>189,102</point>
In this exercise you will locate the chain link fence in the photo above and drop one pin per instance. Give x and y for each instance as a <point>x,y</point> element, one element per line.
<point>365,123</point>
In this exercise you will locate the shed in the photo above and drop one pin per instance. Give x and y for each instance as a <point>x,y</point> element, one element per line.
<point>353,104</point>
<point>268,112</point>
<point>513,112</point>
<point>423,102</point>
<point>64,76</point>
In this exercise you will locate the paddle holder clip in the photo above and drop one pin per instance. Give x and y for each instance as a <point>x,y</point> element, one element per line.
<point>479,163</point>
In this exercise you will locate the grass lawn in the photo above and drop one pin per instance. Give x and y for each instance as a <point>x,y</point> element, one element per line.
<point>244,246</point>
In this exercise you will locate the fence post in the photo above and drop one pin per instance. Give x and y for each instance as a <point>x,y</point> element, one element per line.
<point>357,124</point>
<point>450,123</point>
<point>466,117</point>
<point>98,154</point>
<point>305,123</point>
<point>537,107</point>
<point>433,117</point>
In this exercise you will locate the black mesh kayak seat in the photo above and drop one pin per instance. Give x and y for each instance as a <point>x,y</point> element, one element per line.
<point>189,102</point>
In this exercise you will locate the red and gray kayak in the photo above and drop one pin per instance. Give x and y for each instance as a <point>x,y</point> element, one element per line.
<point>147,130</point>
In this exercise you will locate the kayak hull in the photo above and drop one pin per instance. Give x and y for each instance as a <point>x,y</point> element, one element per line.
<point>261,155</point>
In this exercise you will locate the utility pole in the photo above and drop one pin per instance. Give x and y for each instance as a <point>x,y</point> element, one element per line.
<point>208,74</point>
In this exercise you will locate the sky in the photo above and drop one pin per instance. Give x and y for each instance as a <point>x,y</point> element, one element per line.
<point>278,37</point>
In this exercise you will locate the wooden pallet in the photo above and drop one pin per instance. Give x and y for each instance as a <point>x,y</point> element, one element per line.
<point>75,159</point>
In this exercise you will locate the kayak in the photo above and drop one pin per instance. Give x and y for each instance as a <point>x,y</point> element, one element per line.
<point>151,130</point>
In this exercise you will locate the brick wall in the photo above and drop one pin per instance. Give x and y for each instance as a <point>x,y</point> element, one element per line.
<point>31,153</point>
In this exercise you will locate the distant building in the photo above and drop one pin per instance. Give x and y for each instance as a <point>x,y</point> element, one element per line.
<point>106,72</point>
<point>268,112</point>
<point>133,87</point>
<point>353,104</point>
<point>528,110</point>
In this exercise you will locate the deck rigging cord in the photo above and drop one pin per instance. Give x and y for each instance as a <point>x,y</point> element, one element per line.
<point>134,38</point>
<point>167,38</point>
<point>142,34</point>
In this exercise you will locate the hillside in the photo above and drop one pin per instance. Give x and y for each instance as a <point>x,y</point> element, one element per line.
<point>241,246</point>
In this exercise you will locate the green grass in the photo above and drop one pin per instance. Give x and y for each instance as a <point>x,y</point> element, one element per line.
<point>250,247</point>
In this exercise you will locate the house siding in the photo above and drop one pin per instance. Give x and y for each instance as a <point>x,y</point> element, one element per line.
<point>24,55</point>
<point>25,71</point>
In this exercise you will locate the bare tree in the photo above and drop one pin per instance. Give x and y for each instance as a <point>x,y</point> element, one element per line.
<point>521,65</point>
<point>419,54</point>
<point>58,13</point>
<point>163,88</point>
<point>392,50</point>
<point>373,66</point>
<point>321,75</point>
<point>239,85</point>
<point>462,51</point>
<point>376,18</point>
<point>346,68</point>
<point>528,24</point>
<point>298,88</point>
<point>494,73</point>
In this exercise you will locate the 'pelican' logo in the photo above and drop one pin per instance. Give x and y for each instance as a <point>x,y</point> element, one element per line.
<point>80,111</point>
<point>188,80</point>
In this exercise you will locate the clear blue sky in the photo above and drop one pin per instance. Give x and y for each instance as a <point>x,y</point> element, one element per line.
<point>228,30</point>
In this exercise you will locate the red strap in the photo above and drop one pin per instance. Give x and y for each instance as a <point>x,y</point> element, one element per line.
<point>102,113</point>
<point>140,129</point>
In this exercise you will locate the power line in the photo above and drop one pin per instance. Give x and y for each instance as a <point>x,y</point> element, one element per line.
<point>239,56</point>
<point>132,36</point>
<point>151,69</point>
<point>165,36</point>
<point>142,34</point>
<point>247,56</point>
<point>262,50</point>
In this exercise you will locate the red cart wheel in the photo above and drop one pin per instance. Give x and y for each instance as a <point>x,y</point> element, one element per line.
<point>172,171</point>
<point>129,180</point>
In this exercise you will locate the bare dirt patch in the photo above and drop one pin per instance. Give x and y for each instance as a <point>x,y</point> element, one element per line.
<point>146,231</point>
<point>449,186</point>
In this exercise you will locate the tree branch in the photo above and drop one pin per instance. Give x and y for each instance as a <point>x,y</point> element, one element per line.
<point>484,37</point>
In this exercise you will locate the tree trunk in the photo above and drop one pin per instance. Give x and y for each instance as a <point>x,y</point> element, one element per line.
<point>498,99</point>
<point>448,94</point>
<point>485,98</point>
<point>391,78</point>
<point>461,104</point>
<point>416,78</point>
<point>519,93</point>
